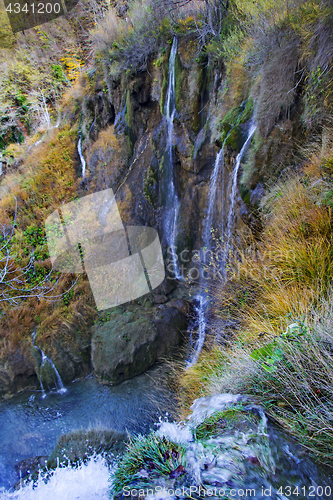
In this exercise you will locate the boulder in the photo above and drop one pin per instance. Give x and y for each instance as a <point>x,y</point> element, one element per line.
<point>30,465</point>
<point>17,371</point>
<point>132,341</point>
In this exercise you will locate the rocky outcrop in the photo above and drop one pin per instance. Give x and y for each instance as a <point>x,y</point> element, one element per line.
<point>17,372</point>
<point>133,339</point>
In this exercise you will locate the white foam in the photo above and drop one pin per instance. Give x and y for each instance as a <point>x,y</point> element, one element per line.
<point>89,481</point>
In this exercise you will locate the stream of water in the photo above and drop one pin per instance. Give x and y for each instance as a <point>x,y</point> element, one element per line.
<point>226,224</point>
<point>172,203</point>
<point>249,455</point>
<point>82,160</point>
<point>30,424</point>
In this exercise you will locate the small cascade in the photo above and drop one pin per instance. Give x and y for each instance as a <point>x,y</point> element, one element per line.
<point>216,186</point>
<point>45,111</point>
<point>59,384</point>
<point>199,326</point>
<point>120,120</point>
<point>82,160</point>
<point>171,198</point>
<point>213,189</point>
<point>58,121</point>
<point>231,214</point>
<point>233,451</point>
<point>46,361</point>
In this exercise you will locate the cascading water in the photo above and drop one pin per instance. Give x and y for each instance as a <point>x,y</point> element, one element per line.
<point>45,111</point>
<point>82,160</point>
<point>239,454</point>
<point>46,361</point>
<point>231,214</point>
<point>171,198</point>
<point>200,324</point>
<point>212,195</point>
<point>199,327</point>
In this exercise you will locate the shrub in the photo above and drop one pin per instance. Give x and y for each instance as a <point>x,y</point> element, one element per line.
<point>128,44</point>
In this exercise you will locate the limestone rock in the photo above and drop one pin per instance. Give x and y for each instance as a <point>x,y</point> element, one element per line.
<point>132,340</point>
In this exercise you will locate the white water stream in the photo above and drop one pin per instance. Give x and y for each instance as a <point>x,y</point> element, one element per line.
<point>217,185</point>
<point>61,389</point>
<point>82,160</point>
<point>89,481</point>
<point>171,197</point>
<point>231,213</point>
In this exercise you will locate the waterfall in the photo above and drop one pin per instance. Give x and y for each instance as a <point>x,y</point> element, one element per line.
<point>47,361</point>
<point>231,214</point>
<point>171,198</point>
<point>45,111</point>
<point>120,120</point>
<point>218,167</point>
<point>82,160</point>
<point>200,311</point>
<point>59,384</point>
<point>200,324</point>
<point>200,327</point>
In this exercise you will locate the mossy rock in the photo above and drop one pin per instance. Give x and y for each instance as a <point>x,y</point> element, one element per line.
<point>131,342</point>
<point>230,126</point>
<point>236,417</point>
<point>77,446</point>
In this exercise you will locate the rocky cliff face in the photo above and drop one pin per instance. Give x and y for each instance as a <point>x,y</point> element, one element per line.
<point>125,139</point>
<point>124,134</point>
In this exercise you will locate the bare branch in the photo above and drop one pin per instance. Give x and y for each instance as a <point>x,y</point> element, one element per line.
<point>15,279</point>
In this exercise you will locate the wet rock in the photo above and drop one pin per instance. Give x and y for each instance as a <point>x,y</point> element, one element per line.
<point>133,339</point>
<point>160,299</point>
<point>182,305</point>
<point>17,372</point>
<point>257,194</point>
<point>77,446</point>
<point>30,465</point>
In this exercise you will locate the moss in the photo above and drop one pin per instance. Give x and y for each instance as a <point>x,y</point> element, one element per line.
<point>180,82</point>
<point>231,124</point>
<point>215,424</point>
<point>149,185</point>
<point>245,194</point>
<point>129,109</point>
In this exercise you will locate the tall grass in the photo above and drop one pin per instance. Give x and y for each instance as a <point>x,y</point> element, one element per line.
<point>299,392</point>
